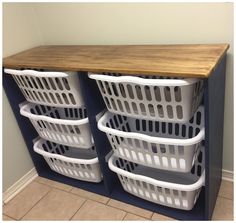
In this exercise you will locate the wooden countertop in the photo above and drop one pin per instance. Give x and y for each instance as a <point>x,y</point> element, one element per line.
<point>195,60</point>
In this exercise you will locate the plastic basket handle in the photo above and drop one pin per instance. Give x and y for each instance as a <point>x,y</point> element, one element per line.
<point>36,73</point>
<point>60,157</point>
<point>184,142</point>
<point>143,81</point>
<point>155,182</point>
<point>25,112</point>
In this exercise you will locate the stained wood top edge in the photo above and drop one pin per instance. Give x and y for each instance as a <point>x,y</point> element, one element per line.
<point>17,61</point>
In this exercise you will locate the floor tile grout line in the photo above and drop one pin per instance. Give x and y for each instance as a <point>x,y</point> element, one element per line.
<point>50,188</point>
<point>89,198</point>
<point>130,212</point>
<point>105,205</point>
<point>55,187</point>
<point>136,215</point>
<point>108,201</point>
<point>152,215</point>
<point>225,197</point>
<point>99,203</point>
<point>124,216</point>
<point>17,194</point>
<point>36,179</point>
<point>78,209</point>
<point>70,191</point>
<point>9,216</point>
<point>77,195</point>
<point>72,216</point>
<point>36,203</point>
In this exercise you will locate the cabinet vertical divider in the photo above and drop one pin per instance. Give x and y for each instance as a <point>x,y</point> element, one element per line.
<point>94,105</point>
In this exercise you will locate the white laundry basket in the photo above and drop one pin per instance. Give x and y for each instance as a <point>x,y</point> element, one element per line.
<point>176,190</point>
<point>71,162</point>
<point>162,145</point>
<point>150,97</point>
<point>67,126</point>
<point>59,89</point>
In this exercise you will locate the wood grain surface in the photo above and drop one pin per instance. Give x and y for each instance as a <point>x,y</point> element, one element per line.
<point>196,60</point>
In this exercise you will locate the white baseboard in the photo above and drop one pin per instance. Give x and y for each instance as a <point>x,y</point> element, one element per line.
<point>19,185</point>
<point>228,175</point>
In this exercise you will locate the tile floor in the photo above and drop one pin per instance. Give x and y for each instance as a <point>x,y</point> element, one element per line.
<point>48,200</point>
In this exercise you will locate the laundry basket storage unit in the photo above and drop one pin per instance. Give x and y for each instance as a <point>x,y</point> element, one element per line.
<point>67,126</point>
<point>150,97</point>
<point>59,89</point>
<point>176,190</point>
<point>69,161</point>
<point>155,134</point>
<point>162,145</point>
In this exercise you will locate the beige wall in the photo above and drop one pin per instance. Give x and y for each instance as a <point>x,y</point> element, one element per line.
<point>20,28</point>
<point>20,32</point>
<point>129,23</point>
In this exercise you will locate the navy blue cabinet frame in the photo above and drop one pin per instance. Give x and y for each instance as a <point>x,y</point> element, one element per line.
<point>110,187</point>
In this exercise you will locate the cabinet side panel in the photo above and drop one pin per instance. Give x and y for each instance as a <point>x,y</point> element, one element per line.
<point>214,123</point>
<point>28,132</point>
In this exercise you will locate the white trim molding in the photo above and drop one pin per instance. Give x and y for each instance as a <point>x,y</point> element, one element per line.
<point>227,175</point>
<point>19,185</point>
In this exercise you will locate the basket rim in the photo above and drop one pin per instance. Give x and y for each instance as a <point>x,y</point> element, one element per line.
<point>174,186</point>
<point>38,149</point>
<point>35,73</point>
<point>143,81</point>
<point>24,110</point>
<point>151,139</point>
